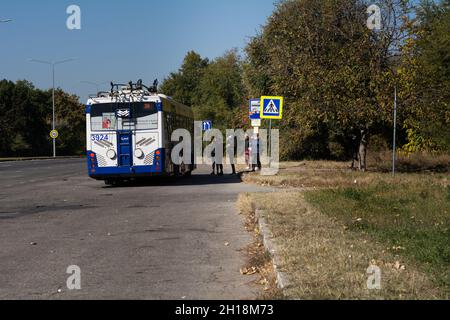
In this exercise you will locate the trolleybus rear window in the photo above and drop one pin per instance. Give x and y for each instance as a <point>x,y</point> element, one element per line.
<point>124,116</point>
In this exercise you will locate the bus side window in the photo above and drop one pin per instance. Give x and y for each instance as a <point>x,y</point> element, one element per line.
<point>169,128</point>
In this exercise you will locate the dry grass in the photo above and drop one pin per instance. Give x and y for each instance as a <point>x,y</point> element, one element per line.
<point>326,260</point>
<point>413,217</point>
<point>309,179</point>
<point>416,162</point>
<point>307,175</point>
<point>259,261</point>
<point>318,165</point>
<point>399,223</point>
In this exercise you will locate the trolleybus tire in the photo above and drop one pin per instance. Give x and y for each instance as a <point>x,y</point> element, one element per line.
<point>112,182</point>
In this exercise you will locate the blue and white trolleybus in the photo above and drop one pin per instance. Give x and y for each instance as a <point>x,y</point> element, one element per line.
<point>129,130</point>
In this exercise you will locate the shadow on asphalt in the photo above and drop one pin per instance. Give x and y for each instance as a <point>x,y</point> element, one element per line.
<point>194,180</point>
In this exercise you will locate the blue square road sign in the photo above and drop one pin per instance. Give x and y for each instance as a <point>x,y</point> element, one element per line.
<point>272,107</point>
<point>255,109</point>
<point>207,125</point>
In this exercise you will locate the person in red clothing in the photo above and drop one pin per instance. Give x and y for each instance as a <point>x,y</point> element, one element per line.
<point>106,123</point>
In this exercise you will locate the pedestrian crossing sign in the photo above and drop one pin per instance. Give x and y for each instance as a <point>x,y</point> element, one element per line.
<point>272,107</point>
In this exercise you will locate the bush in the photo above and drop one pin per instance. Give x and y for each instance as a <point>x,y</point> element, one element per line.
<point>337,151</point>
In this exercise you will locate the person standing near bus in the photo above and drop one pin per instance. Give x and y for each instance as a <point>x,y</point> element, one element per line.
<point>217,159</point>
<point>231,151</point>
<point>256,153</point>
<point>247,151</point>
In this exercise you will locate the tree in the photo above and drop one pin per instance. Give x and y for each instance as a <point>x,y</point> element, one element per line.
<point>214,89</point>
<point>183,85</point>
<point>7,122</point>
<point>23,127</point>
<point>221,90</point>
<point>334,71</point>
<point>71,124</point>
<point>425,78</point>
<point>27,116</point>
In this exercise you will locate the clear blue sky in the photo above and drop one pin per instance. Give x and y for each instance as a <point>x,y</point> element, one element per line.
<point>120,40</point>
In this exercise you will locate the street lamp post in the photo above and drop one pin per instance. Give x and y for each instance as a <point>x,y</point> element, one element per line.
<point>394,148</point>
<point>53,64</point>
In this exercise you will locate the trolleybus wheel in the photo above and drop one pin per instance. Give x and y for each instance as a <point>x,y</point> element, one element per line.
<point>112,182</point>
<point>183,170</point>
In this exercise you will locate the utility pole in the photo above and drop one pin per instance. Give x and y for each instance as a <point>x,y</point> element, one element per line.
<point>394,148</point>
<point>53,64</point>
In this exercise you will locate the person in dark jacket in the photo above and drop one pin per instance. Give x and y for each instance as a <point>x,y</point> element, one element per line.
<point>217,163</point>
<point>256,153</point>
<point>231,151</point>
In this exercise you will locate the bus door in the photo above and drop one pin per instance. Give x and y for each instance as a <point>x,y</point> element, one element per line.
<point>125,148</point>
<point>126,125</point>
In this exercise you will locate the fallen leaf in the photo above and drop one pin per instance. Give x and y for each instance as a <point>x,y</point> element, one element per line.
<point>248,271</point>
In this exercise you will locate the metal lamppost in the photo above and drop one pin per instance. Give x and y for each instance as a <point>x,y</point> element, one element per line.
<point>53,64</point>
<point>394,151</point>
<point>394,71</point>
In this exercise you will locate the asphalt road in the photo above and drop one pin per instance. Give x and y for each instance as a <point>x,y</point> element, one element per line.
<point>162,240</point>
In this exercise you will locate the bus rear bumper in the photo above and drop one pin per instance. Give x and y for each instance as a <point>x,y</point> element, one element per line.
<point>126,172</point>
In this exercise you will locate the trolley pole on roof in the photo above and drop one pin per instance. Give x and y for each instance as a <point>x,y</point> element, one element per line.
<point>53,64</point>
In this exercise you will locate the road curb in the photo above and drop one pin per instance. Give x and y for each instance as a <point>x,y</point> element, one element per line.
<point>37,159</point>
<point>282,278</point>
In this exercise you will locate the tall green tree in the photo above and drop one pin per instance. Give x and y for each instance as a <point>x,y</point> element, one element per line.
<point>71,124</point>
<point>214,89</point>
<point>27,116</point>
<point>334,71</point>
<point>221,90</point>
<point>183,85</point>
<point>425,78</point>
<point>23,128</point>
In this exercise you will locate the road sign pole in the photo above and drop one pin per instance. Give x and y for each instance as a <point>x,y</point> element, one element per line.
<point>269,150</point>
